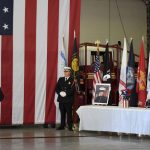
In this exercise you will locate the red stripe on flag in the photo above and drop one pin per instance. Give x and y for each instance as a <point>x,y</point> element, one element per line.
<point>96,79</point>
<point>52,54</point>
<point>7,76</point>
<point>30,53</point>
<point>74,24</point>
<point>122,83</point>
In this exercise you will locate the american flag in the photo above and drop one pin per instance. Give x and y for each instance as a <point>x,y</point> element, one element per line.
<point>97,74</point>
<point>29,58</point>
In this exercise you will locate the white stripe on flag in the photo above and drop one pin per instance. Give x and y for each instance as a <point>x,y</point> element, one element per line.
<point>148,79</point>
<point>148,76</point>
<point>64,7</point>
<point>122,82</point>
<point>18,62</point>
<point>41,60</point>
<point>64,20</point>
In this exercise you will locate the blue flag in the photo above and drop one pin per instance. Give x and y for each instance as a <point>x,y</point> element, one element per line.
<point>131,82</point>
<point>6,17</point>
<point>130,69</point>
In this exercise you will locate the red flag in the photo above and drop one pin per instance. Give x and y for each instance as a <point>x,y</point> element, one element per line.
<point>141,78</point>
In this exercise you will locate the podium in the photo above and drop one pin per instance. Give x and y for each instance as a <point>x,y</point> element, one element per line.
<point>87,53</point>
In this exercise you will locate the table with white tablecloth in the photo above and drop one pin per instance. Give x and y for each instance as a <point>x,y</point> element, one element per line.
<point>114,119</point>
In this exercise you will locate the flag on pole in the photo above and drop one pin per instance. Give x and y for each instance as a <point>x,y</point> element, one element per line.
<point>141,78</point>
<point>122,82</point>
<point>62,62</point>
<point>75,63</point>
<point>148,85</point>
<point>131,76</point>
<point>75,59</point>
<point>97,73</point>
<point>106,72</point>
<point>148,80</point>
<point>130,69</point>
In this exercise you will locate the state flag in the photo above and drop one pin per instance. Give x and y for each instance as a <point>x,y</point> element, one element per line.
<point>123,74</point>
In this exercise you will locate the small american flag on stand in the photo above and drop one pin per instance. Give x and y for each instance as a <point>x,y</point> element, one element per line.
<point>97,72</point>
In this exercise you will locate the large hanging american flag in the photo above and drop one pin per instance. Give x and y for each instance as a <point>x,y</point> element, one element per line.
<point>97,74</point>
<point>29,58</point>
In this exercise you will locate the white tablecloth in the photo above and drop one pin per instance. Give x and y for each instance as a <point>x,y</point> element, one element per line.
<point>114,119</point>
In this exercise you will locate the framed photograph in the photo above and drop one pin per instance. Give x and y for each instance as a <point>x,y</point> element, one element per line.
<point>102,93</point>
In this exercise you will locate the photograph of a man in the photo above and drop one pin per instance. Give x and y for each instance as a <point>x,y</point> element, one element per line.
<point>102,94</point>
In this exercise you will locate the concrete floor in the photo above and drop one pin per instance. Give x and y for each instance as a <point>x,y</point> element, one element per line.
<point>39,138</point>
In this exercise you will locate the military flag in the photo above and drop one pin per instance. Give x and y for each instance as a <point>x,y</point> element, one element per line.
<point>141,78</point>
<point>106,71</point>
<point>75,63</point>
<point>75,59</point>
<point>131,77</point>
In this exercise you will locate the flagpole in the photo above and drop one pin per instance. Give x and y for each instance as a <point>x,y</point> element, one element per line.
<point>97,44</point>
<point>74,71</point>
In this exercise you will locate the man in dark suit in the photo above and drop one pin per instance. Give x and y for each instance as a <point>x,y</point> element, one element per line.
<point>65,90</point>
<point>101,98</point>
